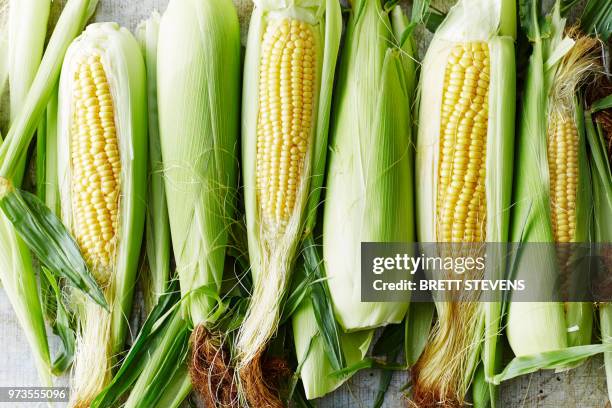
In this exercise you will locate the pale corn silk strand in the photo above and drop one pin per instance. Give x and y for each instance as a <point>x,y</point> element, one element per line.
<point>95,192</point>
<point>461,217</point>
<point>284,136</point>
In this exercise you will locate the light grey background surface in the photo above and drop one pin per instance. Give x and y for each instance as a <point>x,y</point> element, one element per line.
<point>583,387</point>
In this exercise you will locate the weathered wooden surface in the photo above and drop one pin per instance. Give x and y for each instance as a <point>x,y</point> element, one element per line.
<point>583,387</point>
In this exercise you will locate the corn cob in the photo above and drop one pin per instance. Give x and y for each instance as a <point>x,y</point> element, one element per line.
<point>370,172</point>
<point>553,192</point>
<point>291,54</point>
<point>17,276</point>
<point>102,178</point>
<point>198,79</point>
<point>464,157</point>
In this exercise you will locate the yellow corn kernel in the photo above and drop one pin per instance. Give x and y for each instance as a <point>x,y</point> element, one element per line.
<point>563,168</point>
<point>285,122</point>
<point>461,199</point>
<point>95,165</point>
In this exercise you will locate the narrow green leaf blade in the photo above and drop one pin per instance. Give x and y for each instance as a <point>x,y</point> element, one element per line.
<point>322,306</point>
<point>597,18</point>
<point>134,362</point>
<point>50,241</point>
<point>601,104</point>
<point>390,345</point>
<point>418,325</point>
<point>480,389</point>
<point>61,327</point>
<point>177,389</point>
<point>549,360</point>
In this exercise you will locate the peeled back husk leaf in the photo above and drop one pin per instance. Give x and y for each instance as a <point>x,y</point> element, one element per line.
<point>25,46</point>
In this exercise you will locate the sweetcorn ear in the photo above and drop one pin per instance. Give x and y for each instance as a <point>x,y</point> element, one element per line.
<point>464,168</point>
<point>198,86</point>
<point>289,69</point>
<point>369,192</point>
<point>552,198</point>
<point>198,78</point>
<point>102,145</point>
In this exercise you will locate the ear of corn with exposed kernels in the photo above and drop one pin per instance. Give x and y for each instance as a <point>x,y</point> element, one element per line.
<point>289,70</point>
<point>464,168</point>
<point>553,190</point>
<point>102,176</point>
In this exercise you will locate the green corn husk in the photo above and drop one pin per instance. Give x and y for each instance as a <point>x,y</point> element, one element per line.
<point>605,321</point>
<point>198,85</point>
<point>51,187</point>
<point>272,255</point>
<point>25,52</point>
<point>35,224</point>
<point>316,372</point>
<point>19,283</point>
<point>177,389</point>
<point>102,334</point>
<point>48,192</point>
<point>21,52</point>
<point>598,136</point>
<point>396,71</point>
<point>557,67</point>
<point>157,226</point>
<point>370,164</point>
<point>466,332</point>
